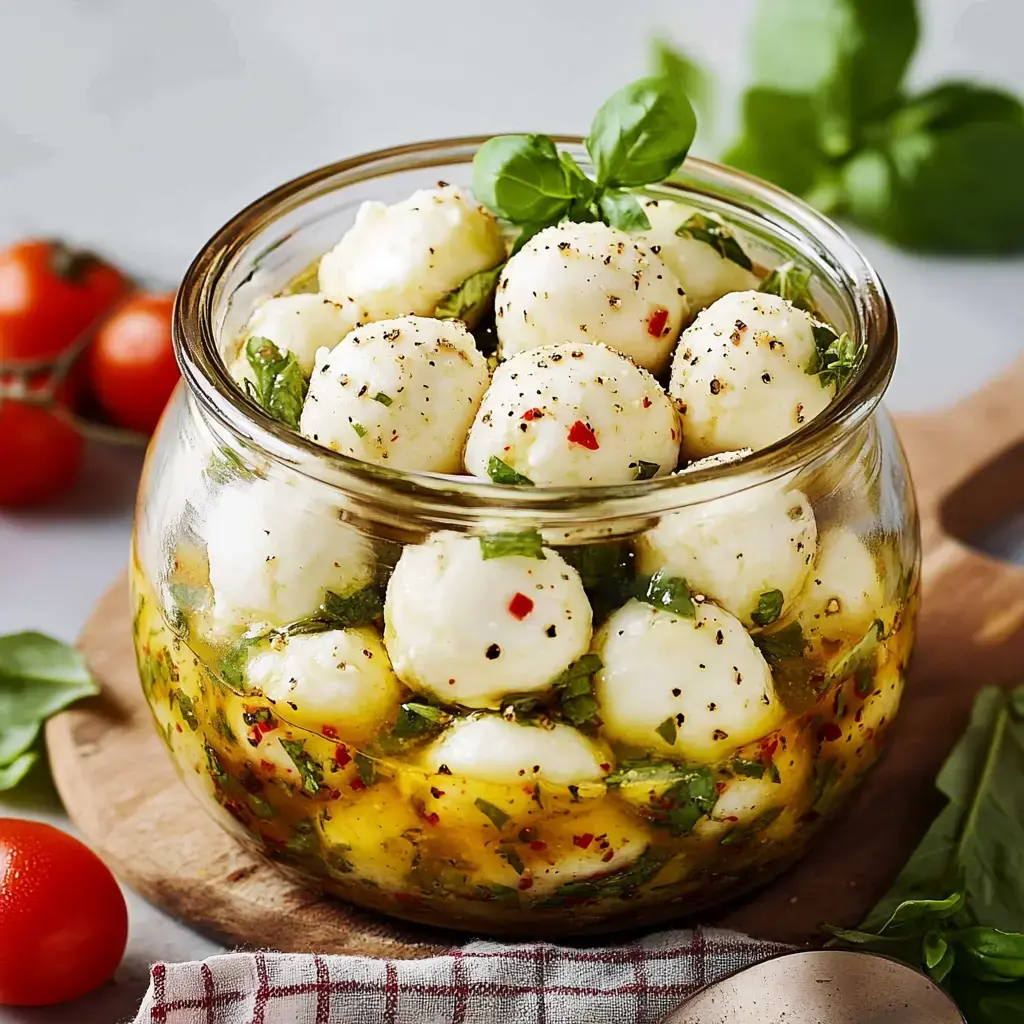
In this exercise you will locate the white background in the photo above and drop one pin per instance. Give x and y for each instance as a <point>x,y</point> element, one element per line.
<point>138,126</point>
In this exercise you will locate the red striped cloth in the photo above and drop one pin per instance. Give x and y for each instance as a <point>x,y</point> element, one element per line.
<point>480,983</point>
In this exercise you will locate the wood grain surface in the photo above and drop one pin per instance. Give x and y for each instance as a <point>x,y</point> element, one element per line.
<point>968,466</point>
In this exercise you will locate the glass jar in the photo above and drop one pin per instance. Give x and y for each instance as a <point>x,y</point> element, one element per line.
<point>259,555</point>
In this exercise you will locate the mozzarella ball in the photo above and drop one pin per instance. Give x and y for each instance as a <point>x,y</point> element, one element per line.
<point>301,324</point>
<point>739,374</point>
<point>341,678</point>
<point>693,689</point>
<point>577,283</point>
<point>574,415</point>
<point>705,274</point>
<point>737,548</point>
<point>402,259</point>
<point>843,593</point>
<point>273,551</point>
<point>471,629</point>
<point>401,393</point>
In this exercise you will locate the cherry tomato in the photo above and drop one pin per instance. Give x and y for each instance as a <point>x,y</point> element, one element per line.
<point>132,370</point>
<point>49,296</point>
<point>63,920</point>
<point>40,452</point>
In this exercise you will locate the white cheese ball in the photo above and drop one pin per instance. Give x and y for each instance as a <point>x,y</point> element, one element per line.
<point>471,629</point>
<point>736,548</point>
<point>693,689</point>
<point>300,324</point>
<point>273,551</point>
<point>843,594</point>
<point>739,374</point>
<point>341,678</point>
<point>704,273</point>
<point>721,459</point>
<point>402,259</point>
<point>401,393</point>
<point>579,283</point>
<point>574,415</point>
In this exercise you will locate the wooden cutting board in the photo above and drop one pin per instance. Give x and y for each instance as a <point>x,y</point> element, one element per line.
<point>968,466</point>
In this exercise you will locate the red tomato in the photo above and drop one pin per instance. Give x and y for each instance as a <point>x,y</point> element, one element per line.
<point>63,920</point>
<point>40,453</point>
<point>132,369</point>
<point>49,296</point>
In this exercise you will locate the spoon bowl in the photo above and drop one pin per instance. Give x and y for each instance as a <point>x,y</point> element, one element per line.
<point>825,986</point>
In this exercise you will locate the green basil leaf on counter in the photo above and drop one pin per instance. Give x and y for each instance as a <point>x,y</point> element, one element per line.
<point>622,210</point>
<point>641,134</point>
<point>792,282</point>
<point>522,179</point>
<point>502,473</point>
<point>769,608</point>
<point>281,385</point>
<point>669,592</point>
<point>39,676</point>
<point>527,543</point>
<point>470,299</point>
<point>706,229</point>
<point>849,55</point>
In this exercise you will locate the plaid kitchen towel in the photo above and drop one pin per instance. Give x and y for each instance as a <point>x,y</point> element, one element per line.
<point>479,983</point>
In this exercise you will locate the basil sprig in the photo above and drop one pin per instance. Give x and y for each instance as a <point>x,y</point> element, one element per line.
<point>638,137</point>
<point>829,118</point>
<point>281,385</point>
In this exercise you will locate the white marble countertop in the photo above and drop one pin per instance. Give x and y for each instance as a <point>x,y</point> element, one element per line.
<point>139,126</point>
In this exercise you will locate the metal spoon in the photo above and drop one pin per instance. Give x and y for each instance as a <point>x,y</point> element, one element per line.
<point>824,986</point>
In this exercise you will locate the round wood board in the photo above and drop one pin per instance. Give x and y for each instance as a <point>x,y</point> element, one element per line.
<point>968,464</point>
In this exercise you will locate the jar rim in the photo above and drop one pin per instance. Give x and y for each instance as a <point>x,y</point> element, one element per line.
<point>198,350</point>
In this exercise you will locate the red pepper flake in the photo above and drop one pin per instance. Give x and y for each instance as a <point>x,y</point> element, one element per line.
<point>436,793</point>
<point>730,817</point>
<point>647,402</point>
<point>538,845</point>
<point>608,856</point>
<point>357,785</point>
<point>329,731</point>
<point>432,819</point>
<point>408,897</point>
<point>525,883</point>
<point>177,725</point>
<point>769,747</point>
<point>720,787</point>
<point>532,414</point>
<point>581,434</point>
<point>520,606</point>
<point>605,767</point>
<point>829,732</point>
<point>268,766</point>
<point>341,755</point>
<point>810,816</point>
<point>657,321</point>
<point>583,841</point>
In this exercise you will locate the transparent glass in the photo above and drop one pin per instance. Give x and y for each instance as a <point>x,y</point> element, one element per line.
<point>343,790</point>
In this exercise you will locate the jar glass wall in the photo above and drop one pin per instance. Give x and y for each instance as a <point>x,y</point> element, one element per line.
<point>676,751</point>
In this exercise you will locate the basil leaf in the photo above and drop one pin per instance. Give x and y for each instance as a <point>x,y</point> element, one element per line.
<point>281,385</point>
<point>784,643</point>
<point>574,690</point>
<point>502,473</point>
<point>988,1002</point>
<point>849,55</point>
<point>947,106</point>
<point>526,543</point>
<point>953,190</point>
<point>668,730</point>
<point>366,769</point>
<point>710,231</point>
<point>384,399</point>
<point>522,178</point>
<point>839,362</point>
<point>498,818</point>
<point>341,611</point>
<point>683,804</point>
<point>622,210</point>
<point>645,470</point>
<point>748,769</point>
<point>310,770</point>
<point>39,676</point>
<point>779,141</point>
<point>669,592</point>
<point>621,884</point>
<point>606,571</point>
<point>687,74</point>
<point>769,608</point>
<point>792,282</point>
<point>415,720</point>
<point>469,301</point>
<point>641,134</point>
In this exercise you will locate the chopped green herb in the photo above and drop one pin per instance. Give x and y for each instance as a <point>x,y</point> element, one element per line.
<point>221,725</point>
<point>359,429</point>
<point>669,592</point>
<point>213,765</point>
<point>645,470</point>
<point>497,892</point>
<point>792,282</point>
<point>502,473</point>
<point>416,720</point>
<point>281,385</point>
<point>527,543</point>
<point>748,769</point>
<point>622,884</point>
<point>226,466</point>
<point>365,769</point>
<point>496,815</point>
<point>262,808</point>
<point>508,852</point>
<point>188,708</point>
<point>741,833</point>
<point>470,299</point>
<point>607,574</point>
<point>835,359</point>
<point>361,608</point>
<point>574,691</point>
<point>382,398</point>
<point>769,608</point>
<point>310,770</point>
<point>784,643</point>
<point>303,839</point>
<point>702,228</point>
<point>668,731</point>
<point>235,661</point>
<point>525,707</point>
<point>860,656</point>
